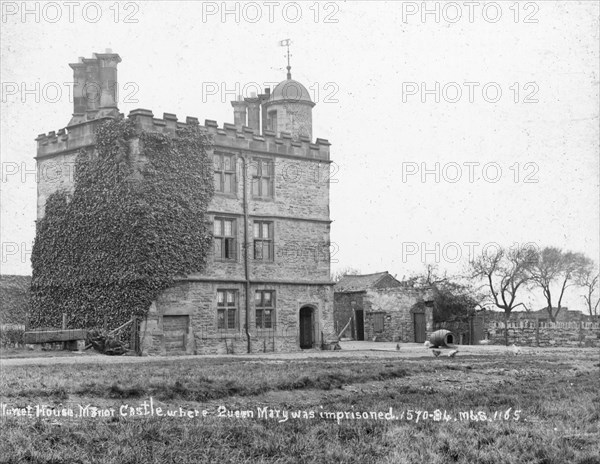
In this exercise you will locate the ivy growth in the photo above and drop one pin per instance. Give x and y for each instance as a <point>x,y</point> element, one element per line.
<point>135,220</point>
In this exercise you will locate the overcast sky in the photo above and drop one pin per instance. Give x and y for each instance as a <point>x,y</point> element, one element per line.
<point>516,167</point>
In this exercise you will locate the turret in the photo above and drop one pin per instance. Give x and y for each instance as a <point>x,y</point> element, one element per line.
<point>289,109</point>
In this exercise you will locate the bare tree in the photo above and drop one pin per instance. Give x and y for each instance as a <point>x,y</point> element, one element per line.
<point>348,270</point>
<point>588,279</point>
<point>504,272</point>
<point>554,269</point>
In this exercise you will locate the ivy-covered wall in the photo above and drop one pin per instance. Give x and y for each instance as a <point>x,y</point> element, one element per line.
<point>135,220</point>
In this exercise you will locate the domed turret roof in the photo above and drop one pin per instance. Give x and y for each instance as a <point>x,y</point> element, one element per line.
<point>290,90</point>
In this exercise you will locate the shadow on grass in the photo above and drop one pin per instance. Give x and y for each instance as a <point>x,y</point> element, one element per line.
<point>203,389</point>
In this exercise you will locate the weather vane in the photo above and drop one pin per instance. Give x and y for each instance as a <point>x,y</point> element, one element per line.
<point>287,43</point>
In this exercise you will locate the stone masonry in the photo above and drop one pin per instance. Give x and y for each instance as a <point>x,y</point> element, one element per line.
<point>387,307</point>
<point>533,333</point>
<point>293,206</point>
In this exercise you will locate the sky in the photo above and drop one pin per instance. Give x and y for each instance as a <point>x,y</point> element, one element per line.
<point>454,126</point>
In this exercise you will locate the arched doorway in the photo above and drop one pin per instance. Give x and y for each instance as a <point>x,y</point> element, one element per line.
<point>306,327</point>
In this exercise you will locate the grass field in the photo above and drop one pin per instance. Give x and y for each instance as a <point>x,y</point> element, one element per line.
<point>509,409</point>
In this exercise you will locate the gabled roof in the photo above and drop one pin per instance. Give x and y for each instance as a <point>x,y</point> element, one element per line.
<point>360,283</point>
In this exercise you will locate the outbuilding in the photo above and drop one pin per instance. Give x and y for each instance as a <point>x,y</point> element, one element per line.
<point>378,307</point>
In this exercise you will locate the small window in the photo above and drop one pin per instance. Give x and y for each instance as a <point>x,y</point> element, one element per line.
<point>263,241</point>
<point>227,309</point>
<point>378,319</point>
<point>224,238</point>
<point>264,302</point>
<point>262,178</point>
<point>272,121</point>
<point>224,175</point>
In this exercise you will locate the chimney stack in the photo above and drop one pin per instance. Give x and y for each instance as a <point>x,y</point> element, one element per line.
<point>95,87</point>
<point>91,87</point>
<point>253,113</point>
<point>264,97</point>
<point>239,113</point>
<point>79,100</point>
<point>107,79</point>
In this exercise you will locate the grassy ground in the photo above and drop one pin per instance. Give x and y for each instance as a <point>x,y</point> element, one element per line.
<point>552,402</point>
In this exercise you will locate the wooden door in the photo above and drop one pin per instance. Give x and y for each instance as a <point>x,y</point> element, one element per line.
<point>175,329</point>
<point>420,327</point>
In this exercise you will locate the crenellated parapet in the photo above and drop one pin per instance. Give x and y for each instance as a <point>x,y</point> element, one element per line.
<point>228,137</point>
<point>69,139</point>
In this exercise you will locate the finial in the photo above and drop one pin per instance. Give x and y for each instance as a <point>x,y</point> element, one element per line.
<point>286,43</point>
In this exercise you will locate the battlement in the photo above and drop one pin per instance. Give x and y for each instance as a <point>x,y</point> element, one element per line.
<point>69,139</point>
<point>227,137</point>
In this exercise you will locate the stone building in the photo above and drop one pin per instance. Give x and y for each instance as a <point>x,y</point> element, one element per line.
<point>378,307</point>
<point>267,284</point>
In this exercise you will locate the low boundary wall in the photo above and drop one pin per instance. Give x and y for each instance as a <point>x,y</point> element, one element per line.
<point>533,333</point>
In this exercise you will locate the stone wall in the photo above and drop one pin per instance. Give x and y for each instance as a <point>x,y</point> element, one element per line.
<point>298,209</point>
<point>397,305</point>
<point>530,333</point>
<point>198,300</point>
<point>299,161</point>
